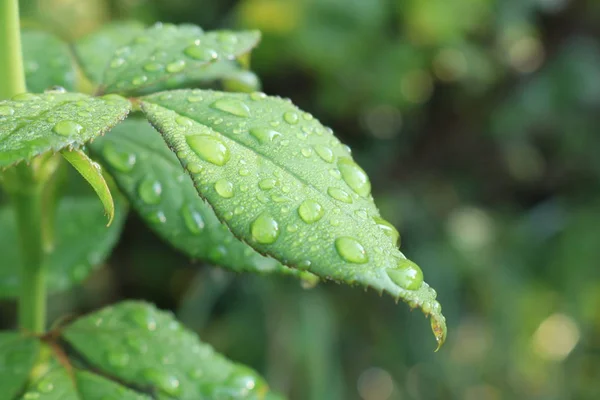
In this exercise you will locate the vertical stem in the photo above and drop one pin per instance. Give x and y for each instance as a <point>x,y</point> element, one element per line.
<point>12,75</point>
<point>32,302</point>
<point>26,187</point>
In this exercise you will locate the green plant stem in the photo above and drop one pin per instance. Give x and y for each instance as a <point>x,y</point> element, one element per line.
<point>12,75</point>
<point>32,302</point>
<point>25,184</point>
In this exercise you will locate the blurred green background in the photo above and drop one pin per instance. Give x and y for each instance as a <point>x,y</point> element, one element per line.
<point>477,121</point>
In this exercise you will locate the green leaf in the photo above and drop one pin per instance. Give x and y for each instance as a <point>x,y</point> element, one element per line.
<point>153,180</point>
<point>166,51</point>
<point>92,173</point>
<point>34,124</point>
<point>82,242</point>
<point>58,383</point>
<point>47,62</point>
<point>302,198</point>
<point>146,348</point>
<point>18,354</point>
<point>95,50</point>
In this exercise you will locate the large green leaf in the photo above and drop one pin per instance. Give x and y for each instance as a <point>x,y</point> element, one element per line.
<point>165,51</point>
<point>284,184</point>
<point>47,61</point>
<point>146,348</point>
<point>159,189</point>
<point>82,242</point>
<point>95,50</point>
<point>18,354</point>
<point>34,124</point>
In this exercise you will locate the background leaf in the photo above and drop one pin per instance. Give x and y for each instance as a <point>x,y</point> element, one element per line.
<point>18,354</point>
<point>165,51</point>
<point>159,189</point>
<point>95,50</point>
<point>142,346</point>
<point>301,198</point>
<point>92,173</point>
<point>82,242</point>
<point>34,124</point>
<point>47,62</point>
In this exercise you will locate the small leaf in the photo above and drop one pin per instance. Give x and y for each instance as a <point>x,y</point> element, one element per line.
<point>146,348</point>
<point>34,124</point>
<point>95,50</point>
<point>305,202</point>
<point>18,354</point>
<point>165,51</point>
<point>47,62</point>
<point>151,177</point>
<point>92,173</point>
<point>82,242</point>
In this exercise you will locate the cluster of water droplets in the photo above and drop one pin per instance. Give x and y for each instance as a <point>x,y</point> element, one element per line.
<point>310,140</point>
<point>166,49</point>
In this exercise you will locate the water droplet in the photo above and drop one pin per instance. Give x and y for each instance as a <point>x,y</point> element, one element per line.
<point>55,89</point>
<point>354,176</point>
<point>150,191</point>
<point>6,111</point>
<point>232,106</point>
<point>224,188</point>
<point>194,168</point>
<point>144,318</point>
<point>351,250</point>
<point>264,229</point>
<point>306,152</point>
<point>209,149</point>
<point>176,66</point>
<point>200,53</point>
<point>67,128</point>
<point>136,343</point>
<point>267,183</point>
<point>157,217</point>
<point>388,229</point>
<point>31,396</point>
<point>339,194</point>
<point>291,117</point>
<point>310,211</point>
<point>264,135</point>
<point>256,96</point>
<point>324,152</point>
<point>163,381</point>
<point>117,62</point>
<point>407,275</point>
<point>303,265</point>
<point>45,386</point>
<point>183,121</point>
<point>138,80</point>
<point>244,171</point>
<point>195,99</point>
<point>153,67</point>
<point>335,173</point>
<point>192,219</point>
<point>118,359</point>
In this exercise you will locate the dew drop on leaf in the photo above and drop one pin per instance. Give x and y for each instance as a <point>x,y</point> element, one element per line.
<point>67,128</point>
<point>351,250</point>
<point>176,66</point>
<point>388,229</point>
<point>224,188</point>
<point>150,191</point>
<point>355,177</point>
<point>6,111</point>
<point>152,67</point>
<point>264,229</point>
<point>118,359</point>
<point>324,152</point>
<point>291,117</point>
<point>200,53</point>
<point>267,183</point>
<point>407,275</point>
<point>192,219</point>
<point>310,211</point>
<point>121,161</point>
<point>163,381</point>
<point>232,106</point>
<point>339,195</point>
<point>264,135</point>
<point>209,148</point>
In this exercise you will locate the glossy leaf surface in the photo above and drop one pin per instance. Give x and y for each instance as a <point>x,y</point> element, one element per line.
<point>82,242</point>
<point>47,62</point>
<point>18,354</point>
<point>302,198</point>
<point>34,124</point>
<point>147,348</point>
<point>166,51</point>
<point>95,50</point>
<point>160,190</point>
<point>92,173</point>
